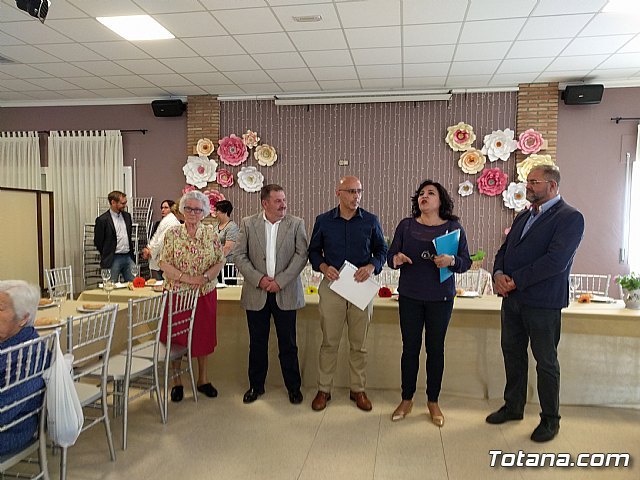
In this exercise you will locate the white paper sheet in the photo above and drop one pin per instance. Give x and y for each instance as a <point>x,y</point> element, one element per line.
<point>358,293</point>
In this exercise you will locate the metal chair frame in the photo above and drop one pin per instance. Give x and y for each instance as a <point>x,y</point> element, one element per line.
<point>230,272</point>
<point>28,361</point>
<point>60,277</point>
<point>469,280</point>
<point>595,284</point>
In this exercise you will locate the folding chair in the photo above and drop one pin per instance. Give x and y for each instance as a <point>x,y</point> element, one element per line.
<point>126,369</point>
<point>180,318</point>
<point>590,283</point>
<point>231,275</point>
<point>22,390</point>
<point>60,277</point>
<point>89,340</point>
<point>469,280</point>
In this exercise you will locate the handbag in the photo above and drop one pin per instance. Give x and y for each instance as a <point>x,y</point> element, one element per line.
<point>64,411</point>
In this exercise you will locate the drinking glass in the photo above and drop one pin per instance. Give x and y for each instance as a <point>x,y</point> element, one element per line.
<point>59,295</point>
<point>108,286</point>
<point>105,273</point>
<point>135,270</point>
<point>574,284</point>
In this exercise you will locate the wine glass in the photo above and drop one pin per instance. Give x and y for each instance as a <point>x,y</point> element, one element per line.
<point>574,285</point>
<point>105,273</point>
<point>135,270</point>
<point>59,295</point>
<point>108,286</point>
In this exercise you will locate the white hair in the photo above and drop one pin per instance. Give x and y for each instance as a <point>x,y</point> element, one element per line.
<point>24,297</point>
<point>196,195</point>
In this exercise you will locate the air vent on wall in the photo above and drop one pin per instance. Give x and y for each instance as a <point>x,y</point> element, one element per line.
<point>307,18</point>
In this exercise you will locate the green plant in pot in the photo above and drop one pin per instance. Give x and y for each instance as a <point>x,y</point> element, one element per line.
<point>477,258</point>
<point>630,289</point>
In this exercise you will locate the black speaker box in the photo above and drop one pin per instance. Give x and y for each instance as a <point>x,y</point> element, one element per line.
<point>168,108</point>
<point>582,94</point>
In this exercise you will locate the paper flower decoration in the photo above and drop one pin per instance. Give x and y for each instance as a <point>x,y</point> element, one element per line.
<point>199,171</point>
<point>224,177</point>
<point>515,196</point>
<point>530,141</point>
<point>250,139</point>
<point>465,188</point>
<point>204,147</point>
<point>311,290</point>
<point>232,150</point>
<point>499,144</point>
<point>525,166</point>
<point>188,188</point>
<point>472,161</point>
<point>384,292</point>
<point>250,179</point>
<point>460,137</point>
<point>139,282</point>
<point>265,155</point>
<point>492,182</point>
<point>214,197</point>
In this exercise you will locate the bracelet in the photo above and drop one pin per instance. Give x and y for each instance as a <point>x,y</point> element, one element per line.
<point>181,274</point>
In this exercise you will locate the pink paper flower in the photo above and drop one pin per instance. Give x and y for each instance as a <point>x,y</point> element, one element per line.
<point>214,197</point>
<point>224,177</point>
<point>232,150</point>
<point>492,181</point>
<point>250,139</point>
<point>188,188</point>
<point>530,141</point>
<point>460,137</point>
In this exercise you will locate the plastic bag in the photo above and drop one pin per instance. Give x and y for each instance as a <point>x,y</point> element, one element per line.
<point>64,411</point>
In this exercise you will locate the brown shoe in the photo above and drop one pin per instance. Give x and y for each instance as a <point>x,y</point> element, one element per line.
<point>362,402</point>
<point>320,402</point>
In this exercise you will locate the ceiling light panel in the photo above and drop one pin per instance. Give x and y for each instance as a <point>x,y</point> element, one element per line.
<point>136,27</point>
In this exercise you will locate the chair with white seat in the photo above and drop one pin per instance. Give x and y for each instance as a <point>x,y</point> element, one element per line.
<point>180,316</point>
<point>60,277</point>
<point>26,364</point>
<point>231,275</point>
<point>595,284</point>
<point>469,281</point>
<point>126,369</point>
<point>89,341</point>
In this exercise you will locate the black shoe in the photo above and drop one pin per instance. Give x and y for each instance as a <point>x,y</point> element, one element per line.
<point>503,415</point>
<point>252,395</point>
<point>177,393</point>
<point>295,396</point>
<point>547,430</point>
<point>208,389</point>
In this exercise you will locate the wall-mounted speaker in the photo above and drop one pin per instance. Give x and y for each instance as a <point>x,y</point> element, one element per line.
<point>582,94</point>
<point>168,108</point>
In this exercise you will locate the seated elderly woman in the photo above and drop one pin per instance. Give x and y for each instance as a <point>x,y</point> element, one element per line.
<point>18,304</point>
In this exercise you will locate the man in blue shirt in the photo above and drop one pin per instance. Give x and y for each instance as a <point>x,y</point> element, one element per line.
<point>350,233</point>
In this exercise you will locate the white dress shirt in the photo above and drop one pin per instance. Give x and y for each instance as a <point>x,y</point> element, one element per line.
<point>121,232</point>
<point>271,234</point>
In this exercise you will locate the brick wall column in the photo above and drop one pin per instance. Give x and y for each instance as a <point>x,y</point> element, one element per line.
<point>538,109</point>
<point>203,120</point>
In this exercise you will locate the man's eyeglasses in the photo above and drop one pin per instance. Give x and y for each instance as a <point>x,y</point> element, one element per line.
<point>352,191</point>
<point>197,211</point>
<point>533,183</point>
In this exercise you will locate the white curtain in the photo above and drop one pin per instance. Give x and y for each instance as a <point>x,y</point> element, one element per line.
<point>20,160</point>
<point>634,211</point>
<point>82,167</point>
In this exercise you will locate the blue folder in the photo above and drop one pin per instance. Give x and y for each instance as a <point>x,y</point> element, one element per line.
<point>447,244</point>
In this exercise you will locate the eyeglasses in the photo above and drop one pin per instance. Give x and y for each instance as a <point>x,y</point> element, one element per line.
<point>533,183</point>
<point>352,191</point>
<point>197,211</point>
<point>427,255</point>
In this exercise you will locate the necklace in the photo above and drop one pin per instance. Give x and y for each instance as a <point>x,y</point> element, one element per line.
<point>221,227</point>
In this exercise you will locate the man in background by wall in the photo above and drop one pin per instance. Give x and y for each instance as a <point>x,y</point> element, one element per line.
<point>531,273</point>
<point>349,233</point>
<point>270,252</point>
<point>112,238</point>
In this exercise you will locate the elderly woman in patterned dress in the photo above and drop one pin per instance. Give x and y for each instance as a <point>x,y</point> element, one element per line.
<point>192,255</point>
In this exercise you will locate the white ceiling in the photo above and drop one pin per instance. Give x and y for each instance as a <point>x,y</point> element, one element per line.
<point>253,47</point>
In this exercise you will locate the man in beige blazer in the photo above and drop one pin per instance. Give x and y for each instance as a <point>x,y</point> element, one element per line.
<point>270,252</point>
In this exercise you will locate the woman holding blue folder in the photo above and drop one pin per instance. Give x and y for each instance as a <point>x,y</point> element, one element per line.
<point>426,288</point>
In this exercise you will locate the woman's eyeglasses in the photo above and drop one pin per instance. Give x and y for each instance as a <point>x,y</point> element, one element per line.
<point>427,255</point>
<point>197,211</point>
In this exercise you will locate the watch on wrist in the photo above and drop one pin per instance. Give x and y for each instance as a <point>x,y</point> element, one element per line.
<point>206,275</point>
<point>453,261</point>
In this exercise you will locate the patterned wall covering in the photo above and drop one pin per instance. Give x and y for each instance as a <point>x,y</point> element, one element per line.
<point>390,146</point>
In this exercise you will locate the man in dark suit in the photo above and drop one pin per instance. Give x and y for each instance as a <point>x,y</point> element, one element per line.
<point>531,273</point>
<point>270,252</point>
<point>112,238</point>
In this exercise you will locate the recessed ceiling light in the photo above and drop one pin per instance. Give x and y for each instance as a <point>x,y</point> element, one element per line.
<point>307,18</point>
<point>136,27</point>
<point>628,7</point>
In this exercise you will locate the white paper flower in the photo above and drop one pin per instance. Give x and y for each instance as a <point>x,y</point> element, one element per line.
<point>515,196</point>
<point>499,144</point>
<point>465,188</point>
<point>250,179</point>
<point>534,160</point>
<point>199,171</point>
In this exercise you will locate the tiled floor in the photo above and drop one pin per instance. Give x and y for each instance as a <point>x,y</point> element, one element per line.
<point>271,439</point>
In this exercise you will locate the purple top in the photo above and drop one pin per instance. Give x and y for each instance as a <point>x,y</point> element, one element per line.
<point>421,279</point>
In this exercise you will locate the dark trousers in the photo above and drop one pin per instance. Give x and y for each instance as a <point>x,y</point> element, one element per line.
<point>259,323</point>
<point>433,317</point>
<point>540,326</point>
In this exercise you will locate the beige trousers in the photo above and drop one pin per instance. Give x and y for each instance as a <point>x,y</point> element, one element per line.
<point>335,311</point>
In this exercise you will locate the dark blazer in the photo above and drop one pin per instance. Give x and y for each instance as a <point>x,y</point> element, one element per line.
<point>105,240</point>
<point>540,262</point>
<point>249,256</point>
